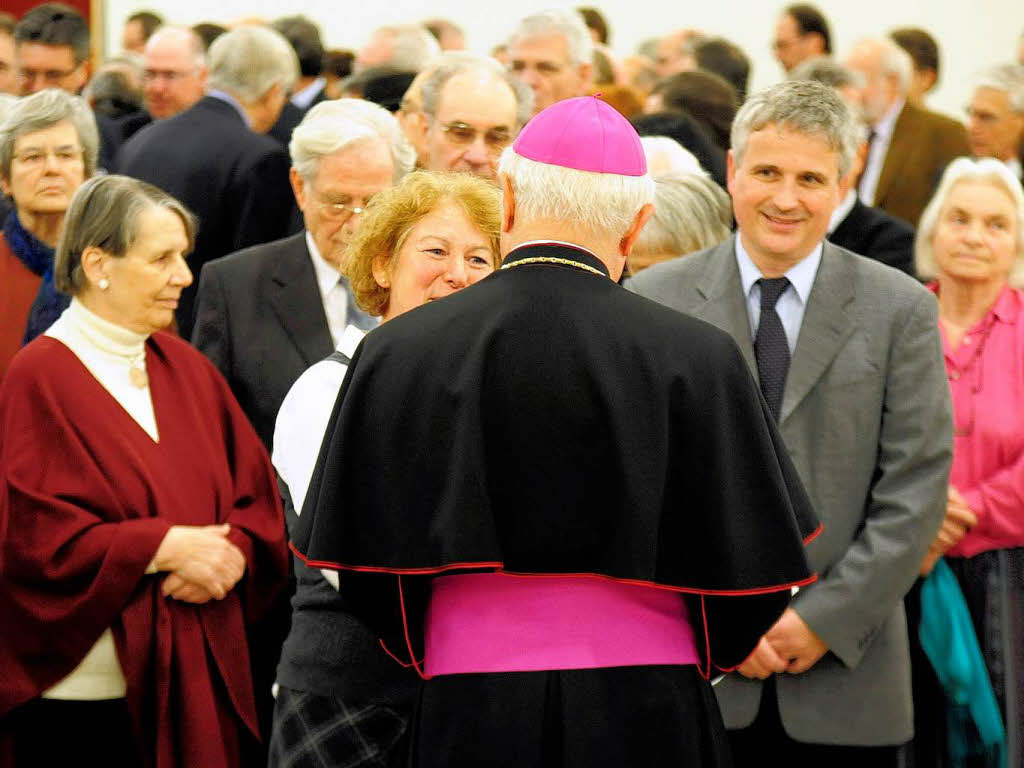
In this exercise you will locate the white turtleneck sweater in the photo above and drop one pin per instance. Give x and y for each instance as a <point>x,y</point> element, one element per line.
<point>108,351</point>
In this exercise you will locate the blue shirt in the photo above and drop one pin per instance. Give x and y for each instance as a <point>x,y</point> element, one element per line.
<point>791,304</point>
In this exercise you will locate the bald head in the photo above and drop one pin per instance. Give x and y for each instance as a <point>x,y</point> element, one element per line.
<point>175,71</point>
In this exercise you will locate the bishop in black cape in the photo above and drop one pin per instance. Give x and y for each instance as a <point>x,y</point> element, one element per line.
<point>547,421</point>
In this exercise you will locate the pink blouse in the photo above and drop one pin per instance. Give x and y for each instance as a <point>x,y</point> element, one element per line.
<point>986,377</point>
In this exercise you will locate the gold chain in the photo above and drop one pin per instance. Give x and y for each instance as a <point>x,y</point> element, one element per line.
<point>554,260</point>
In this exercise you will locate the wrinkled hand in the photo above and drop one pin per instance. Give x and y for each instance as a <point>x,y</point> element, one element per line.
<point>763,662</point>
<point>175,586</point>
<point>795,642</point>
<point>202,556</point>
<point>958,520</point>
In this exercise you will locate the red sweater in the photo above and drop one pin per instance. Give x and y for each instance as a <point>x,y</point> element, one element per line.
<point>18,288</point>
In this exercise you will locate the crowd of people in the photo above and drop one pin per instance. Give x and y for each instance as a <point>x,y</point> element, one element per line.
<point>410,406</point>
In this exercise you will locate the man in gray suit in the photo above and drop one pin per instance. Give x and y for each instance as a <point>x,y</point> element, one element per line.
<point>848,356</point>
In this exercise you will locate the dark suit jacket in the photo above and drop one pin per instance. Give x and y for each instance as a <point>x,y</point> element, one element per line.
<point>115,131</point>
<point>922,144</point>
<point>234,180</point>
<point>867,419</point>
<point>260,319</point>
<point>290,117</point>
<point>874,233</point>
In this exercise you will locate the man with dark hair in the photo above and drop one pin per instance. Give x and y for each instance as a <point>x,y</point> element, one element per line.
<point>801,33</point>
<point>138,29</point>
<point>924,52</point>
<point>51,45</point>
<point>727,60</point>
<point>208,32</point>
<point>708,98</point>
<point>304,36</point>
<point>8,72</point>
<point>596,23</point>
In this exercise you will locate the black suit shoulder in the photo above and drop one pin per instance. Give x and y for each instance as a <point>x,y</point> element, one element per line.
<point>873,233</point>
<point>260,260</point>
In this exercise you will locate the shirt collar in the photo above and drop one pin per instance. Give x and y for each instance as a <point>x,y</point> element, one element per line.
<point>801,275</point>
<point>1015,167</point>
<point>576,253</point>
<point>327,275</point>
<point>229,99</point>
<point>842,210</point>
<point>302,99</point>
<point>884,127</point>
<point>349,340</point>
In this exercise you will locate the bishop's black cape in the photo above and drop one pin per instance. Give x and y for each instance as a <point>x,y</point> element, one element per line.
<point>547,421</point>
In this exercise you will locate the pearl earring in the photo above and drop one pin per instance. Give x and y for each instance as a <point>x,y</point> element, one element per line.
<point>103,283</point>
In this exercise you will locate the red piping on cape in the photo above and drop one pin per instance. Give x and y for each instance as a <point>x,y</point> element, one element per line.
<point>814,534</point>
<point>499,567</point>
<point>405,629</point>
<point>387,650</point>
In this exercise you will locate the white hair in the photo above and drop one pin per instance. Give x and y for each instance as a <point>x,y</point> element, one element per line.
<point>414,47</point>
<point>176,34</point>
<point>331,126</point>
<point>559,21</point>
<point>248,61</point>
<point>896,62</point>
<point>691,213</point>
<point>601,202</point>
<point>434,83</point>
<point>1008,78</point>
<point>986,171</point>
<point>667,157</point>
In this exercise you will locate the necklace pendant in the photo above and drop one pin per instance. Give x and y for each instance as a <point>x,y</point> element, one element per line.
<point>137,376</point>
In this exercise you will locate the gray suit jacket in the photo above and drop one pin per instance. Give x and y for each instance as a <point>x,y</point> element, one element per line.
<point>867,418</point>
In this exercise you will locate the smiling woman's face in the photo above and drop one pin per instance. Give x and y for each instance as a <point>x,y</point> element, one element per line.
<point>442,254</point>
<point>46,168</point>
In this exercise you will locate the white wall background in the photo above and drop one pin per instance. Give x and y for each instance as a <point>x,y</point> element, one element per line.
<point>971,36</point>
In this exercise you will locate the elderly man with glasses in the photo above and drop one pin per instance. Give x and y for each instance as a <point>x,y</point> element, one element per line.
<point>175,73</point>
<point>471,110</point>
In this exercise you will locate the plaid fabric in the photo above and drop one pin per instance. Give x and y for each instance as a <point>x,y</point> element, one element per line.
<point>315,731</point>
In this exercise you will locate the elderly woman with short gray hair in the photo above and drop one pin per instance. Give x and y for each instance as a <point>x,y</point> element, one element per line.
<point>48,147</point>
<point>140,530</point>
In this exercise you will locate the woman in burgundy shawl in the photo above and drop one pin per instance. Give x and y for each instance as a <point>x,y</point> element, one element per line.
<point>140,527</point>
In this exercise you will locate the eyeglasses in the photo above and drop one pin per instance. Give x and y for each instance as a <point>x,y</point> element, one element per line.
<point>36,158</point>
<point>170,75</point>
<point>342,211</point>
<point>49,76</point>
<point>464,134</point>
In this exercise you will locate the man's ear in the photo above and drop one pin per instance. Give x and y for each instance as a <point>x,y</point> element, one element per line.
<point>635,228</point>
<point>508,203</point>
<point>298,188</point>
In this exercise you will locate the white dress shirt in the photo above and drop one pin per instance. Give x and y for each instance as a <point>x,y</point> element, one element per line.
<point>333,293</point>
<point>868,185</point>
<point>302,422</point>
<point>791,304</point>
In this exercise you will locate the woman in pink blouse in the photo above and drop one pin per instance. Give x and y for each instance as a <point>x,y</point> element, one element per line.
<point>971,240</point>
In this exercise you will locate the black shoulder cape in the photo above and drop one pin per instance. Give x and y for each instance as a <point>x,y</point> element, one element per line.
<point>547,421</point>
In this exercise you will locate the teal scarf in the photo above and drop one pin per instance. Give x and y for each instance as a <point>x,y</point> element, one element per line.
<point>975,725</point>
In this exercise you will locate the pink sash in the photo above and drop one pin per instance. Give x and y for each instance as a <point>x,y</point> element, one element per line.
<point>496,622</point>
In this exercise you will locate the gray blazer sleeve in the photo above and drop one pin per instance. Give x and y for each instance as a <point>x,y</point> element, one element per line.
<point>906,503</point>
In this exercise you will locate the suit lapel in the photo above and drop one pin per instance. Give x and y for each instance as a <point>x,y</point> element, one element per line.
<point>295,299</point>
<point>724,305</point>
<point>904,133</point>
<point>826,326</point>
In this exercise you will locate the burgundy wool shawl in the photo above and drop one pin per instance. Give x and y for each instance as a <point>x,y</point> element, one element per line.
<point>86,497</point>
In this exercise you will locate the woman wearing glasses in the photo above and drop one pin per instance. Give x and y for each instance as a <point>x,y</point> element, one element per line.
<point>48,147</point>
<point>971,240</point>
<point>342,700</point>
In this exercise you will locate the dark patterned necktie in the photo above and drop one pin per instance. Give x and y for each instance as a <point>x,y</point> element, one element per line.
<point>770,345</point>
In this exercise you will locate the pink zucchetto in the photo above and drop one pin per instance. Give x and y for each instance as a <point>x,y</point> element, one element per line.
<point>585,134</point>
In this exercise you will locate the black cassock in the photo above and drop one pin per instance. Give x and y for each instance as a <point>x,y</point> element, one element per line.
<point>547,421</point>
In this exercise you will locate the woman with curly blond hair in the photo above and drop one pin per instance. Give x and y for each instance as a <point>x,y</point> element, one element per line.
<point>341,700</point>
